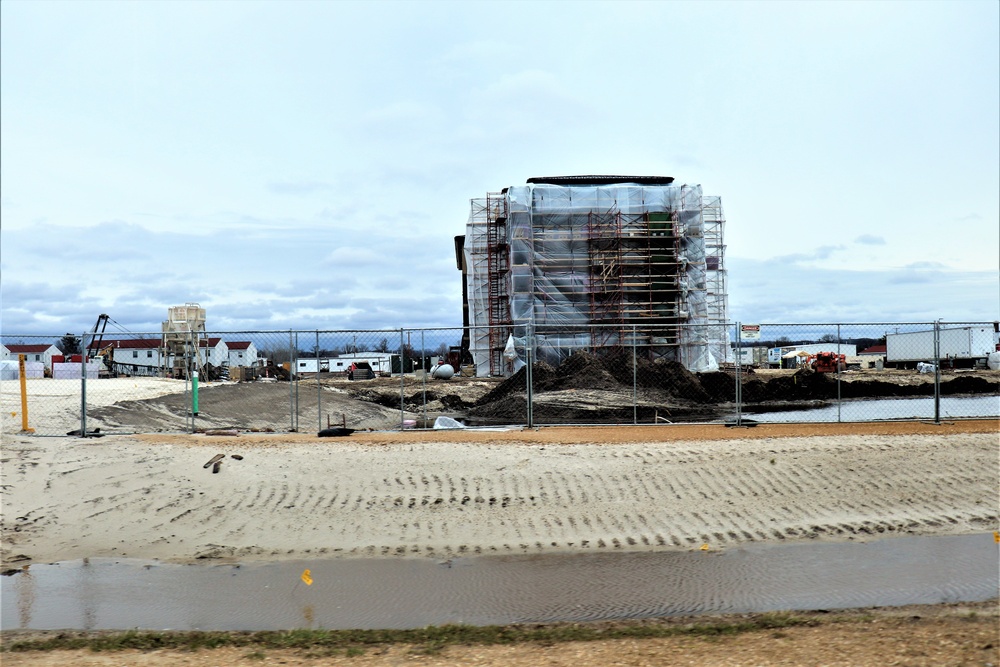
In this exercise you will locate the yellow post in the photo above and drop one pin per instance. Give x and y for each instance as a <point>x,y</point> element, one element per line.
<point>24,395</point>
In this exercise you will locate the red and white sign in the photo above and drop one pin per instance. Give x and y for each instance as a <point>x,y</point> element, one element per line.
<point>749,332</point>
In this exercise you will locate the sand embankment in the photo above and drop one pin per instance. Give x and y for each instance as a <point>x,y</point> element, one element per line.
<point>455,493</point>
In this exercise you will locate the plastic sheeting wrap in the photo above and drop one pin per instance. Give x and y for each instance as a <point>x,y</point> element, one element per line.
<point>550,232</point>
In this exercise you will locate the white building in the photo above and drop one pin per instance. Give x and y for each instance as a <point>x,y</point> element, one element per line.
<point>129,351</point>
<point>381,362</point>
<point>32,353</point>
<point>242,353</point>
<point>213,351</point>
<point>149,352</point>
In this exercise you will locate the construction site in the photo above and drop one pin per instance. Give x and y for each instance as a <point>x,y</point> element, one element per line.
<point>594,263</point>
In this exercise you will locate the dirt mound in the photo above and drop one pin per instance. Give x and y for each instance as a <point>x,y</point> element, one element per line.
<point>883,389</point>
<point>505,410</point>
<point>581,371</point>
<point>608,372</point>
<point>597,385</point>
<point>719,387</point>
<point>805,384</point>
<point>966,384</point>
<point>541,372</point>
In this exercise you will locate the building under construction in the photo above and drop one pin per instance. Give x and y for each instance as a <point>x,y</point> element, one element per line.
<point>595,263</point>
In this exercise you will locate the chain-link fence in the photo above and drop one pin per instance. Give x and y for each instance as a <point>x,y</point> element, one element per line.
<point>289,381</point>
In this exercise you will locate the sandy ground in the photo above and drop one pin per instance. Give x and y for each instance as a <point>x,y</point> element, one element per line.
<point>463,492</point>
<point>418,494</point>
<point>54,405</point>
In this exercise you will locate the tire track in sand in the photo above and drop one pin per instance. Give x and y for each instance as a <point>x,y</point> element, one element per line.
<point>448,498</point>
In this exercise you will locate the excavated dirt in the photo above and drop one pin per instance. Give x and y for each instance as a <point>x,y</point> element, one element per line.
<point>587,388</point>
<point>584,389</point>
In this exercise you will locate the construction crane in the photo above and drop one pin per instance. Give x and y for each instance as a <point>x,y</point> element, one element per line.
<point>96,338</point>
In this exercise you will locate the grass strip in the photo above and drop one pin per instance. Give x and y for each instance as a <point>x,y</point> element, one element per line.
<point>433,637</point>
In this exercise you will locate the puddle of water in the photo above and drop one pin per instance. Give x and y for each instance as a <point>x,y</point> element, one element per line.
<point>888,408</point>
<point>484,590</point>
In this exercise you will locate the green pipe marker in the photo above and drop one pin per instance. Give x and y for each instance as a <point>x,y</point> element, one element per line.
<point>194,393</point>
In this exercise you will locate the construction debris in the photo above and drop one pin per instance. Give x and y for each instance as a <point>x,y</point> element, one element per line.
<point>336,432</point>
<point>215,459</point>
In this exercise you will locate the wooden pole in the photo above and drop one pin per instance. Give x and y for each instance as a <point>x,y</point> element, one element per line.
<point>24,395</point>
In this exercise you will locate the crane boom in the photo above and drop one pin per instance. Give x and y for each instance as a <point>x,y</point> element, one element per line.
<point>97,338</point>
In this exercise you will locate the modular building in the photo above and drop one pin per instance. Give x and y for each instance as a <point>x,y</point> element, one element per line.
<point>593,263</point>
<point>752,356</point>
<point>380,362</point>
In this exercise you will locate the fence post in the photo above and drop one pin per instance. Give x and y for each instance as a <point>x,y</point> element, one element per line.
<point>529,378</point>
<point>635,396</point>
<point>937,371</point>
<point>291,382</point>
<point>739,384</point>
<point>188,423</point>
<point>402,385</point>
<point>837,361</point>
<point>319,389</point>
<point>297,411</point>
<point>83,385</point>
<point>423,368</point>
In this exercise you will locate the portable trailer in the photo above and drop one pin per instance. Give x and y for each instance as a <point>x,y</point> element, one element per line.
<point>958,347</point>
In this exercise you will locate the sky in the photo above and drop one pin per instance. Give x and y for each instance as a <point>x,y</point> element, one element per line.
<point>307,165</point>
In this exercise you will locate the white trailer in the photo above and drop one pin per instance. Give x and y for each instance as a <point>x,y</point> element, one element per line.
<point>957,346</point>
<point>752,356</point>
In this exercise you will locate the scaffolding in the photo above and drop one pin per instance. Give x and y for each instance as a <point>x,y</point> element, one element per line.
<point>607,277</point>
<point>716,279</point>
<point>487,256</point>
<point>595,265</point>
<point>498,278</point>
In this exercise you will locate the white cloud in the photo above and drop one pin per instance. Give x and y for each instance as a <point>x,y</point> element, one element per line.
<point>151,157</point>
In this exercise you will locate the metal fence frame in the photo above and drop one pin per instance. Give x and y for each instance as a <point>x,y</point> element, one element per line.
<point>531,336</point>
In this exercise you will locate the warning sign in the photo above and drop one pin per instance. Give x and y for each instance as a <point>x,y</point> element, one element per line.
<point>749,332</point>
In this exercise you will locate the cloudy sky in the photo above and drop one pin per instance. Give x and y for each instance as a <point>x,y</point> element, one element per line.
<point>307,165</point>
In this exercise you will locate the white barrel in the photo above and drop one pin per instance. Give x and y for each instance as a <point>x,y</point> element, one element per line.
<point>443,372</point>
<point>993,361</point>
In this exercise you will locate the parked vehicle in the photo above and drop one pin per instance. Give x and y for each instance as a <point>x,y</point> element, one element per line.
<point>827,362</point>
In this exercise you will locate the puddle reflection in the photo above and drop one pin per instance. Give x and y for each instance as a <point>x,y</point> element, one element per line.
<point>410,593</point>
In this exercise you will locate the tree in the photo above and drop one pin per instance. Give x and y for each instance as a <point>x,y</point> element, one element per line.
<point>383,345</point>
<point>69,344</point>
<point>277,355</point>
<point>782,342</point>
<point>828,338</point>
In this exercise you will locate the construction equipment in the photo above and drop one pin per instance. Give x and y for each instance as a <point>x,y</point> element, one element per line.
<point>95,350</point>
<point>360,370</point>
<point>827,362</point>
<point>96,337</point>
<point>183,337</point>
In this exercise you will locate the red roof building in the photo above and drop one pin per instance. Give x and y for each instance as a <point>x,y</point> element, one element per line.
<point>28,349</point>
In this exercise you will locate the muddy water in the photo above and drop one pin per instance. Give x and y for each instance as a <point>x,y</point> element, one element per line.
<point>855,410</point>
<point>407,593</point>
